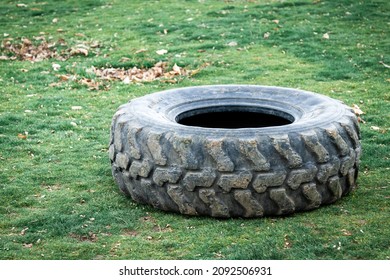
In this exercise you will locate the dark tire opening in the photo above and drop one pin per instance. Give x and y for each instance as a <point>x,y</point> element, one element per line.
<point>234,117</point>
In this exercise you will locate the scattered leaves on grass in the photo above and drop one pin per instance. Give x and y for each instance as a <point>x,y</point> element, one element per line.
<point>92,84</point>
<point>160,71</point>
<point>40,49</point>
<point>91,237</point>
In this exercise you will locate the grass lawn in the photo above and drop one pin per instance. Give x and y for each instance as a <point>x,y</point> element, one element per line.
<point>58,199</point>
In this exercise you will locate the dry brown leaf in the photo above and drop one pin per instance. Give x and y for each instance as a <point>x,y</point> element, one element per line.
<point>78,51</point>
<point>176,69</point>
<point>287,242</point>
<point>141,51</point>
<point>124,59</point>
<point>357,110</point>
<point>23,232</point>
<point>63,77</point>
<point>346,232</point>
<point>22,136</point>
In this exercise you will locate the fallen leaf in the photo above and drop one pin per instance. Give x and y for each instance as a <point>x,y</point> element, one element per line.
<point>76,108</point>
<point>55,20</point>
<point>357,110</point>
<point>23,232</point>
<point>384,64</point>
<point>126,80</point>
<point>287,242</point>
<point>276,21</point>
<point>232,44</point>
<point>266,35</point>
<point>124,59</point>
<point>63,77</point>
<point>26,42</point>
<point>56,66</point>
<point>375,128</point>
<point>141,51</point>
<point>346,232</point>
<point>77,51</point>
<point>21,5</point>
<point>325,36</point>
<point>361,120</point>
<point>176,69</point>
<point>94,44</point>
<point>161,52</point>
<point>28,245</point>
<point>22,136</point>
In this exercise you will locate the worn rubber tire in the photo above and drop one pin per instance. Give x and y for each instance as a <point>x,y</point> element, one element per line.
<point>246,172</point>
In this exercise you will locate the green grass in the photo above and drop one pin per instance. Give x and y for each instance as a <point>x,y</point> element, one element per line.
<point>58,199</point>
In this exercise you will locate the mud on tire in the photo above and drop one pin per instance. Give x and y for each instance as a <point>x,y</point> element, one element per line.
<point>235,150</point>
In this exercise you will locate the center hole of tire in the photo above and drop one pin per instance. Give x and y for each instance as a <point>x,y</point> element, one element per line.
<point>234,117</point>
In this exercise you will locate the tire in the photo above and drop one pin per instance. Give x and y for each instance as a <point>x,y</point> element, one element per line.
<point>185,150</point>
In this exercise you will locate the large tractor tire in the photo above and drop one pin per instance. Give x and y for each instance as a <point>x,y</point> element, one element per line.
<point>235,150</point>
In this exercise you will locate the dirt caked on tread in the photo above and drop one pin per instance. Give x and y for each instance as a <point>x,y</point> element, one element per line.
<point>235,172</point>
